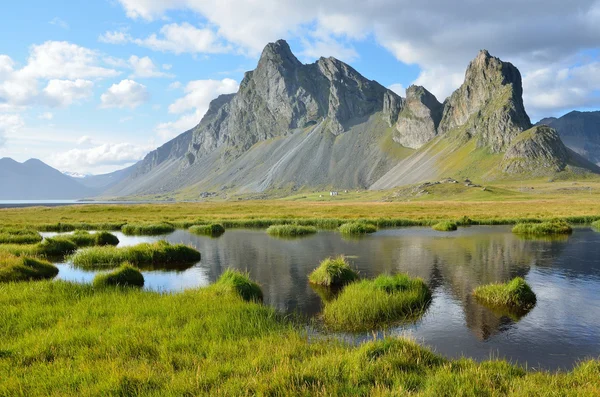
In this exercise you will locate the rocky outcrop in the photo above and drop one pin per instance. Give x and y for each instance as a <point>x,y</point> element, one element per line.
<point>536,151</point>
<point>488,105</point>
<point>419,118</point>
<point>580,131</point>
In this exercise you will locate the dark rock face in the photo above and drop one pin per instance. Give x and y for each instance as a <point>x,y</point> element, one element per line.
<point>580,131</point>
<point>488,105</point>
<point>538,150</point>
<point>419,119</point>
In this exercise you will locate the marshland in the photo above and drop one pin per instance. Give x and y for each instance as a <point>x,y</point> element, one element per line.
<point>246,303</point>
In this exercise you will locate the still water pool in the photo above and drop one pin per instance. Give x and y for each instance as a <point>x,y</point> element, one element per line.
<point>563,328</point>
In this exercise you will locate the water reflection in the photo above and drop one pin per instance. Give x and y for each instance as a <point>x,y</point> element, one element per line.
<point>565,274</point>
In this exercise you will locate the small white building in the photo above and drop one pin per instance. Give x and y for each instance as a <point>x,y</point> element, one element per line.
<point>333,193</point>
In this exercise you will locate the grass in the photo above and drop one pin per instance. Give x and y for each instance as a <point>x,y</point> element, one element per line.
<point>160,253</point>
<point>357,228</point>
<point>445,226</point>
<point>290,230</point>
<point>213,229</point>
<point>554,227</point>
<point>14,268</point>
<point>19,236</point>
<point>515,294</point>
<point>83,238</point>
<point>596,225</point>
<point>105,238</point>
<point>147,229</point>
<point>371,304</point>
<point>67,339</point>
<point>333,272</point>
<point>240,284</point>
<point>124,276</point>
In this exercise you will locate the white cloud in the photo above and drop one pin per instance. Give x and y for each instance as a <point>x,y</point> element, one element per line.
<point>328,47</point>
<point>115,37</point>
<point>99,156</point>
<point>84,141</point>
<point>62,93</point>
<point>145,68</point>
<point>60,23</point>
<point>398,89</point>
<point>175,85</point>
<point>46,116</point>
<point>126,94</point>
<point>198,95</point>
<point>9,124</point>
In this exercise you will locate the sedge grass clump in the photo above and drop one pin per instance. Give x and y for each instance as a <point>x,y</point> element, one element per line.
<point>106,238</point>
<point>241,284</point>
<point>357,228</point>
<point>290,230</point>
<point>555,227</point>
<point>333,272</point>
<point>516,294</point>
<point>81,238</point>
<point>160,253</point>
<point>147,229</point>
<point>124,276</point>
<point>14,268</point>
<point>445,226</point>
<point>19,236</point>
<point>596,225</point>
<point>213,230</point>
<point>371,304</point>
<point>56,246</point>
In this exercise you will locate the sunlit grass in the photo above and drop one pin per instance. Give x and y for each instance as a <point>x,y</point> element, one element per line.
<point>333,272</point>
<point>124,276</point>
<point>514,294</point>
<point>445,226</point>
<point>554,227</point>
<point>213,229</point>
<point>357,228</point>
<point>291,230</point>
<point>147,229</point>
<point>14,268</point>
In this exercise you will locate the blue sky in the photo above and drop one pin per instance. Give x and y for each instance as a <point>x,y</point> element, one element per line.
<point>92,86</point>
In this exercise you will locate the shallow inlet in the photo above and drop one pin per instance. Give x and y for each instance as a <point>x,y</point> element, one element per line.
<point>562,329</point>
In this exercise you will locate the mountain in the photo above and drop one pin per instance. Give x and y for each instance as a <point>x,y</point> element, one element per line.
<point>76,175</point>
<point>102,182</point>
<point>325,126</point>
<point>35,180</point>
<point>580,131</point>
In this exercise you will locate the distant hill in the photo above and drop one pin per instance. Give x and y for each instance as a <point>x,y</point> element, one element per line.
<point>580,131</point>
<point>100,183</point>
<point>35,180</point>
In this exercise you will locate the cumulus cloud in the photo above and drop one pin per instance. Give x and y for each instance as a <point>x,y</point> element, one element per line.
<point>440,37</point>
<point>194,104</point>
<point>100,156</point>
<point>9,124</point>
<point>145,68</point>
<point>115,37</point>
<point>126,94</point>
<point>62,93</point>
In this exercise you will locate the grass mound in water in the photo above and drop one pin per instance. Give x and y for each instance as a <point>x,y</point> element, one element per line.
<point>160,253</point>
<point>333,272</point>
<point>147,229</point>
<point>125,276</point>
<point>19,236</point>
<point>357,228</point>
<point>213,230</point>
<point>290,230</point>
<point>56,246</point>
<point>14,268</point>
<point>372,304</point>
<point>549,228</point>
<point>596,225</point>
<point>241,284</point>
<point>106,238</point>
<point>445,226</point>
<point>83,238</point>
<point>515,294</point>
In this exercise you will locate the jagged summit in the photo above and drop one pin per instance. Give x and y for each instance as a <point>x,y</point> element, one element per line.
<point>419,118</point>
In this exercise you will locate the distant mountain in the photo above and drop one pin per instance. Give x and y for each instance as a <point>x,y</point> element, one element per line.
<point>580,131</point>
<point>100,183</point>
<point>323,125</point>
<point>35,180</point>
<point>75,175</point>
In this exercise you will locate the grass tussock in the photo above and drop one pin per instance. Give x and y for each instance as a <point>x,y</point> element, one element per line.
<point>124,276</point>
<point>596,225</point>
<point>357,228</point>
<point>240,284</point>
<point>60,338</point>
<point>372,304</point>
<point>160,253</point>
<point>19,236</point>
<point>515,294</point>
<point>147,229</point>
<point>445,226</point>
<point>555,227</point>
<point>14,268</point>
<point>213,229</point>
<point>291,230</point>
<point>333,272</point>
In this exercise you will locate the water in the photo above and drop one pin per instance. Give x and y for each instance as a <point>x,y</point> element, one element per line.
<point>562,329</point>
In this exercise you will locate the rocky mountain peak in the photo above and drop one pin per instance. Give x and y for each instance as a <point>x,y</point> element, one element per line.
<point>488,105</point>
<point>419,119</point>
<point>280,54</point>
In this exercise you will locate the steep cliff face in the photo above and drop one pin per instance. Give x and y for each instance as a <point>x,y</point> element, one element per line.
<point>419,118</point>
<point>580,131</point>
<point>488,105</point>
<point>538,150</point>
